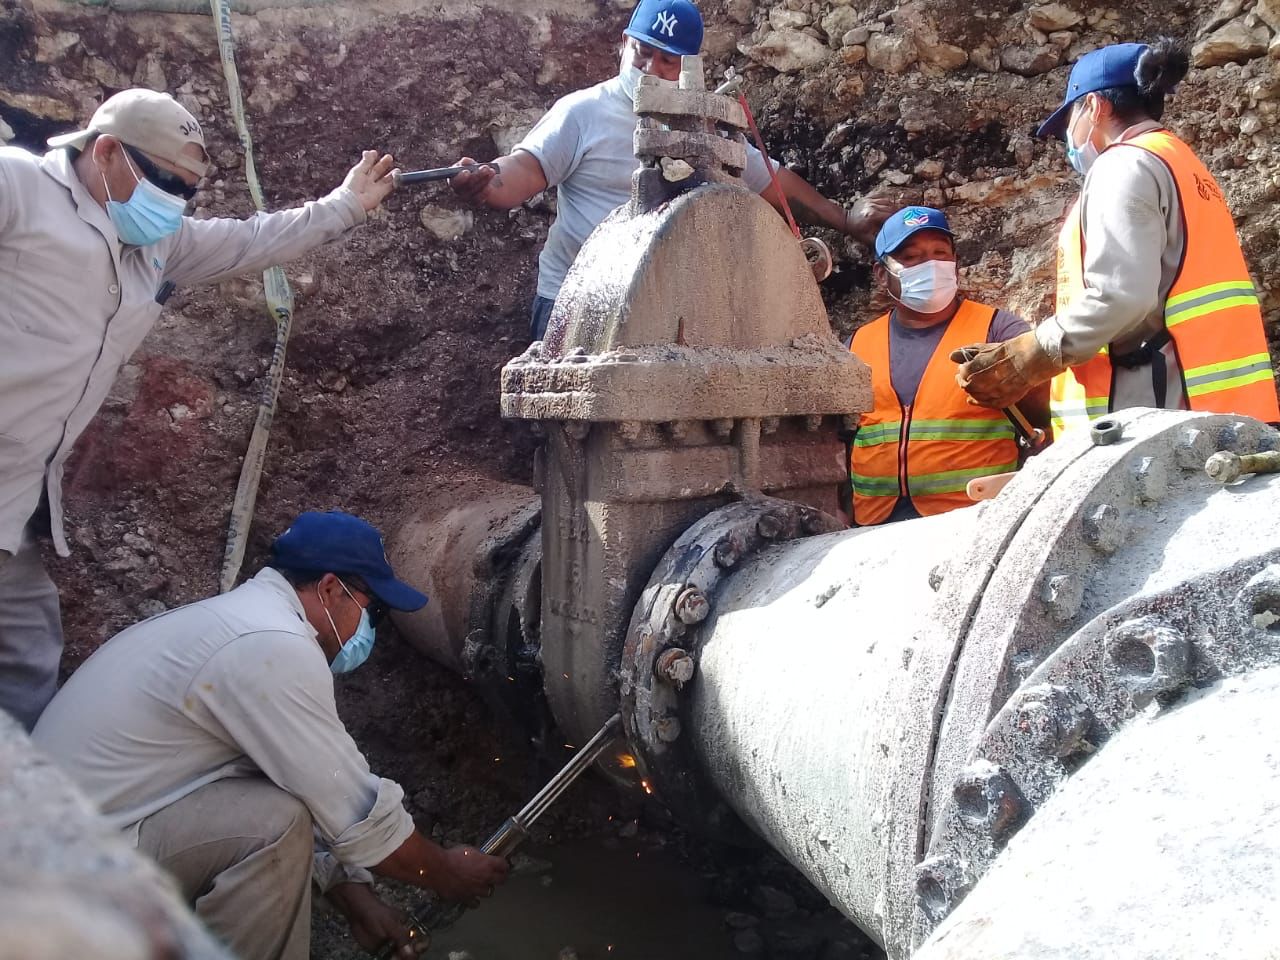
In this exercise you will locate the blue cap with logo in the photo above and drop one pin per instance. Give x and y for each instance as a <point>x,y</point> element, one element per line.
<point>1113,66</point>
<point>674,26</point>
<point>336,542</point>
<point>904,223</point>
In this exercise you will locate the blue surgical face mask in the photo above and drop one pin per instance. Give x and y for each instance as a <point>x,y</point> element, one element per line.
<point>356,649</point>
<point>148,215</point>
<point>928,287</point>
<point>631,74</point>
<point>1080,158</point>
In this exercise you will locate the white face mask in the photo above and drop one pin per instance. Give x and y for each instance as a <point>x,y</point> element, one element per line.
<point>631,74</point>
<point>927,287</point>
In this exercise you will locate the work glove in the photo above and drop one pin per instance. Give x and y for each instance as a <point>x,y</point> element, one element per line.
<point>998,375</point>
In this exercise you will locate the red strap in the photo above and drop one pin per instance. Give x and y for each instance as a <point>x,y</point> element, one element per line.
<point>768,165</point>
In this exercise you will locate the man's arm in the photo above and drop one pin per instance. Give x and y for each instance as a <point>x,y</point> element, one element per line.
<point>206,251</point>
<point>811,208</point>
<point>1126,233</point>
<point>518,178</point>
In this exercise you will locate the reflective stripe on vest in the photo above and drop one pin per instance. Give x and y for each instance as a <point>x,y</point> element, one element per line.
<point>930,449</point>
<point>1212,311</point>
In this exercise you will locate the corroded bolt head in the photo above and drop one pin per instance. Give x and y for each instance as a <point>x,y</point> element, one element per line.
<point>1062,593</point>
<point>727,553</point>
<point>1150,480</point>
<point>988,798</point>
<point>941,883</point>
<point>1194,447</point>
<point>770,424</point>
<point>1223,466</point>
<point>1103,527</point>
<point>678,430</point>
<point>722,428</point>
<point>628,430</point>
<point>675,665</point>
<point>577,429</point>
<point>667,729</point>
<point>1150,657</point>
<point>1054,720</point>
<point>769,526</point>
<point>691,606</point>
<point>811,522</point>
<point>850,421</point>
<point>813,422</point>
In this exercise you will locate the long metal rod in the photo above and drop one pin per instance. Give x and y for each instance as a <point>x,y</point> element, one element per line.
<point>514,831</point>
<point>437,173</point>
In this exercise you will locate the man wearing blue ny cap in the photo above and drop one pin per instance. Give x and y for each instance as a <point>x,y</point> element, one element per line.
<point>916,450</point>
<point>210,736</point>
<point>1155,305</point>
<point>583,147</point>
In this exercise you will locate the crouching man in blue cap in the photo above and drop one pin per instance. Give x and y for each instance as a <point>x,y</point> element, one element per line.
<point>584,148</point>
<point>209,734</point>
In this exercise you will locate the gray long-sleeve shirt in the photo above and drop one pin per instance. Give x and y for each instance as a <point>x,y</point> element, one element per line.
<point>1132,224</point>
<point>232,686</point>
<point>75,303</point>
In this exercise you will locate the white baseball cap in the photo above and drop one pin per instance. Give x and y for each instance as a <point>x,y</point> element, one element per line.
<point>152,122</point>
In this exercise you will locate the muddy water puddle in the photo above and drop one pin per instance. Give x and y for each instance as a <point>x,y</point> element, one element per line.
<point>623,901</point>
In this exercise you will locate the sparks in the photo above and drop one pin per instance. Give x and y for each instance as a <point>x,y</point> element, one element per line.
<point>647,788</point>
<point>626,761</point>
<point>565,675</point>
<point>497,759</point>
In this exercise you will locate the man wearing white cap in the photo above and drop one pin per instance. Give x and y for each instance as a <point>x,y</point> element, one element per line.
<point>89,233</point>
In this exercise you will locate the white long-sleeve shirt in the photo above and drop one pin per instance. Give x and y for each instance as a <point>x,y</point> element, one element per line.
<point>75,302</point>
<point>1132,224</point>
<point>233,686</point>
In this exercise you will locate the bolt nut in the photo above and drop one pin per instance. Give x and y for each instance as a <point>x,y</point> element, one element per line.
<point>812,522</point>
<point>988,799</point>
<point>692,606</point>
<point>727,553</point>
<point>577,429</point>
<point>1062,593</point>
<point>813,422</point>
<point>678,430</point>
<point>1150,480</point>
<point>941,883</point>
<point>628,430</point>
<point>1106,431</point>
<point>1104,527</point>
<point>1194,447</point>
<point>722,428</point>
<point>770,424</point>
<point>850,421</point>
<point>1054,720</point>
<point>667,729</point>
<point>1150,657</point>
<point>675,665</point>
<point>770,526</point>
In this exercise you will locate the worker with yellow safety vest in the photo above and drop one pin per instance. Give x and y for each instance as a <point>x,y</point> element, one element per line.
<point>1155,305</point>
<point>914,454</point>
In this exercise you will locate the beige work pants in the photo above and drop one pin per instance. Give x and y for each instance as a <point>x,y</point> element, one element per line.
<point>241,852</point>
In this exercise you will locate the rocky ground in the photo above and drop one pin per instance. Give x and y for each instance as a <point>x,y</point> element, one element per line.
<point>401,330</point>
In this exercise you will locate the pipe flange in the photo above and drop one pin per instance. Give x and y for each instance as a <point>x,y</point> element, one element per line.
<point>1140,656</point>
<point>659,658</point>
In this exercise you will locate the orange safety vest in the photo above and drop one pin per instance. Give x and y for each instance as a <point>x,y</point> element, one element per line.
<point>931,448</point>
<point>1211,313</point>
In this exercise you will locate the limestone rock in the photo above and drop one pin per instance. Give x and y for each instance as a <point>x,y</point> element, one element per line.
<point>858,35</point>
<point>48,108</point>
<point>853,54</point>
<point>150,73</point>
<point>1234,43</point>
<point>780,18</point>
<point>838,23</point>
<point>1226,11</point>
<point>1030,61</point>
<point>445,224</point>
<point>787,51</point>
<point>1273,51</point>
<point>50,49</point>
<point>1049,17</point>
<point>268,96</point>
<point>911,19</point>
<point>891,52</point>
<point>739,11</point>
<point>921,113</point>
<point>6,132</point>
<point>929,169</point>
<point>984,58</point>
<point>1269,12</point>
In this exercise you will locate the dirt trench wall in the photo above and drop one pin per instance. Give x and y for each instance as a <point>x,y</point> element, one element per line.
<point>401,330</point>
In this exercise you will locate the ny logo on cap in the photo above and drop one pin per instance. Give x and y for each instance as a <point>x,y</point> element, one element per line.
<point>666,23</point>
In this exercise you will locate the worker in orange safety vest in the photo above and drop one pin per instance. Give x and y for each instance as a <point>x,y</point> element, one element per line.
<point>1155,306</point>
<point>914,454</point>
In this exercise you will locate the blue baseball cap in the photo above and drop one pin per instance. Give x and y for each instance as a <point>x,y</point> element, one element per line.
<point>1113,66</point>
<point>671,25</point>
<point>338,543</point>
<point>904,223</point>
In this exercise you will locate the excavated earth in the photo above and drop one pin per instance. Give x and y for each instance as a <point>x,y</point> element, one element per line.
<point>401,330</point>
